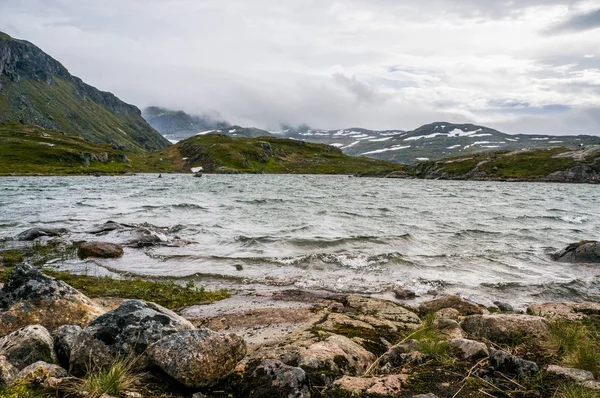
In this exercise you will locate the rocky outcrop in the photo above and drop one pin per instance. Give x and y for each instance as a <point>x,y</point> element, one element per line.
<point>27,346</point>
<point>464,307</point>
<point>586,251</point>
<point>198,358</point>
<point>507,328</point>
<point>30,297</point>
<point>127,330</point>
<point>568,310</point>
<point>99,250</point>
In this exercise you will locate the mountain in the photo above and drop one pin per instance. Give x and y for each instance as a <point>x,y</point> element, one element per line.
<point>432,141</point>
<point>225,154</point>
<point>178,125</point>
<point>36,89</point>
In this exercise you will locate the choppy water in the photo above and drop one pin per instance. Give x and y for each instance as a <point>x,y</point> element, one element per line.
<point>484,240</point>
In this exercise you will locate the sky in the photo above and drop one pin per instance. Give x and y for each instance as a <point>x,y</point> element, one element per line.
<point>520,66</point>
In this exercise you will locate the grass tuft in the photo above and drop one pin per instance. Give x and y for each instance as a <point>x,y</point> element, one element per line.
<point>113,380</point>
<point>575,391</point>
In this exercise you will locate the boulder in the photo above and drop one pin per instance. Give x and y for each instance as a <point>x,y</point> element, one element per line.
<point>447,313</point>
<point>504,307</point>
<point>127,330</point>
<point>28,345</point>
<point>39,372</point>
<point>506,328</point>
<point>384,310</point>
<point>7,371</point>
<point>198,358</point>
<point>470,349</point>
<point>64,338</point>
<point>396,355</point>
<point>571,373</point>
<point>30,297</point>
<point>448,327</point>
<point>274,379</point>
<point>99,250</point>
<point>34,233</point>
<point>586,251</point>
<point>570,311</point>
<point>384,386</point>
<point>502,361</point>
<point>464,307</point>
<point>402,293</point>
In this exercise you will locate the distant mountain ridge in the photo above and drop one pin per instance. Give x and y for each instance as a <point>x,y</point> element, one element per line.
<point>178,125</point>
<point>36,89</point>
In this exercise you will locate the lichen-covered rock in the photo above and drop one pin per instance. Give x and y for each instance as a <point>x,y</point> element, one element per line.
<point>198,358</point>
<point>507,328</point>
<point>127,330</point>
<point>384,386</point>
<point>447,313</point>
<point>7,371</point>
<point>30,297</point>
<point>567,310</point>
<point>464,307</point>
<point>39,372</point>
<point>448,327</point>
<point>34,233</point>
<point>64,337</point>
<point>396,355</point>
<point>28,345</point>
<point>470,349</point>
<point>571,373</point>
<point>581,252</point>
<point>274,379</point>
<point>99,250</point>
<point>512,365</point>
<point>384,310</point>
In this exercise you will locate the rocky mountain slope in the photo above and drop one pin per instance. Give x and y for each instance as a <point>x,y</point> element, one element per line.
<point>178,125</point>
<point>37,90</point>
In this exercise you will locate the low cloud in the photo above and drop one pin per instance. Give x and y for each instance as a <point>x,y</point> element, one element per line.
<point>577,23</point>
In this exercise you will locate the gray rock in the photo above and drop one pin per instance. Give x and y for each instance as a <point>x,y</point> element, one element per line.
<point>64,337</point>
<point>34,233</point>
<point>28,345</point>
<point>591,384</point>
<point>402,293</point>
<point>505,328</point>
<point>464,307</point>
<point>30,297</point>
<point>274,379</point>
<point>127,330</point>
<point>512,365</point>
<point>396,355</point>
<point>383,386</point>
<point>428,395</point>
<point>99,250</point>
<point>571,373</point>
<point>470,349</point>
<point>448,327</point>
<point>504,307</point>
<point>7,371</point>
<point>581,252</point>
<point>38,373</point>
<point>198,358</point>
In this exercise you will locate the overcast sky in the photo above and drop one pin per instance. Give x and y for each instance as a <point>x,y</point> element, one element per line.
<point>530,66</point>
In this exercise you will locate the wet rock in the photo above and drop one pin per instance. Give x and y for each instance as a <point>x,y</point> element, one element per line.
<point>571,373</point>
<point>7,371</point>
<point>107,227</point>
<point>464,307</point>
<point>570,311</point>
<point>504,307</point>
<point>396,355</point>
<point>127,330</point>
<point>509,364</point>
<point>402,293</point>
<point>448,327</point>
<point>506,328</point>
<point>28,345</point>
<point>586,251</point>
<point>447,313</point>
<point>145,237</point>
<point>34,233</point>
<point>99,250</point>
<point>30,297</point>
<point>198,358</point>
<point>470,349</point>
<point>39,372</point>
<point>274,379</point>
<point>385,386</point>
<point>64,338</point>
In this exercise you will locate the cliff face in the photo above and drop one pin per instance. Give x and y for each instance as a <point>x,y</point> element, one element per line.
<point>37,89</point>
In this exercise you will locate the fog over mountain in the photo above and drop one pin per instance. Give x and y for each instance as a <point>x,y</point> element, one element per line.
<point>531,66</point>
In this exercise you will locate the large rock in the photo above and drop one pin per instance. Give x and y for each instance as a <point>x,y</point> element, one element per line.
<point>64,338</point>
<point>99,250</point>
<point>34,233</point>
<point>127,330</point>
<point>8,372</point>
<point>397,356</point>
<point>383,310</point>
<point>581,252</point>
<point>512,365</point>
<point>274,379</point>
<point>579,375</point>
<point>570,311</point>
<point>470,349</point>
<point>28,345</point>
<point>198,358</point>
<point>39,372</point>
<point>507,328</point>
<point>29,297</point>
<point>464,307</point>
<point>384,386</point>
<point>448,327</point>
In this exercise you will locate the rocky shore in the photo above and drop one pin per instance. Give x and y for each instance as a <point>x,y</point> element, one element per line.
<point>57,342</point>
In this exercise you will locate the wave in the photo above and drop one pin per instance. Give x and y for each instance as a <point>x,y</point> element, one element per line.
<point>321,242</point>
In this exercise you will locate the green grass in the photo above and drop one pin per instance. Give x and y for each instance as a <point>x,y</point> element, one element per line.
<point>168,294</point>
<point>577,345</point>
<point>24,391</point>
<point>114,380</point>
<point>575,391</point>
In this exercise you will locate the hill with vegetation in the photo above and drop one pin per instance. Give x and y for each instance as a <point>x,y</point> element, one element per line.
<point>178,125</point>
<point>36,89</point>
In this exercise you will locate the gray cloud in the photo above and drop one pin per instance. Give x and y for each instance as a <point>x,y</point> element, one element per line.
<point>577,23</point>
